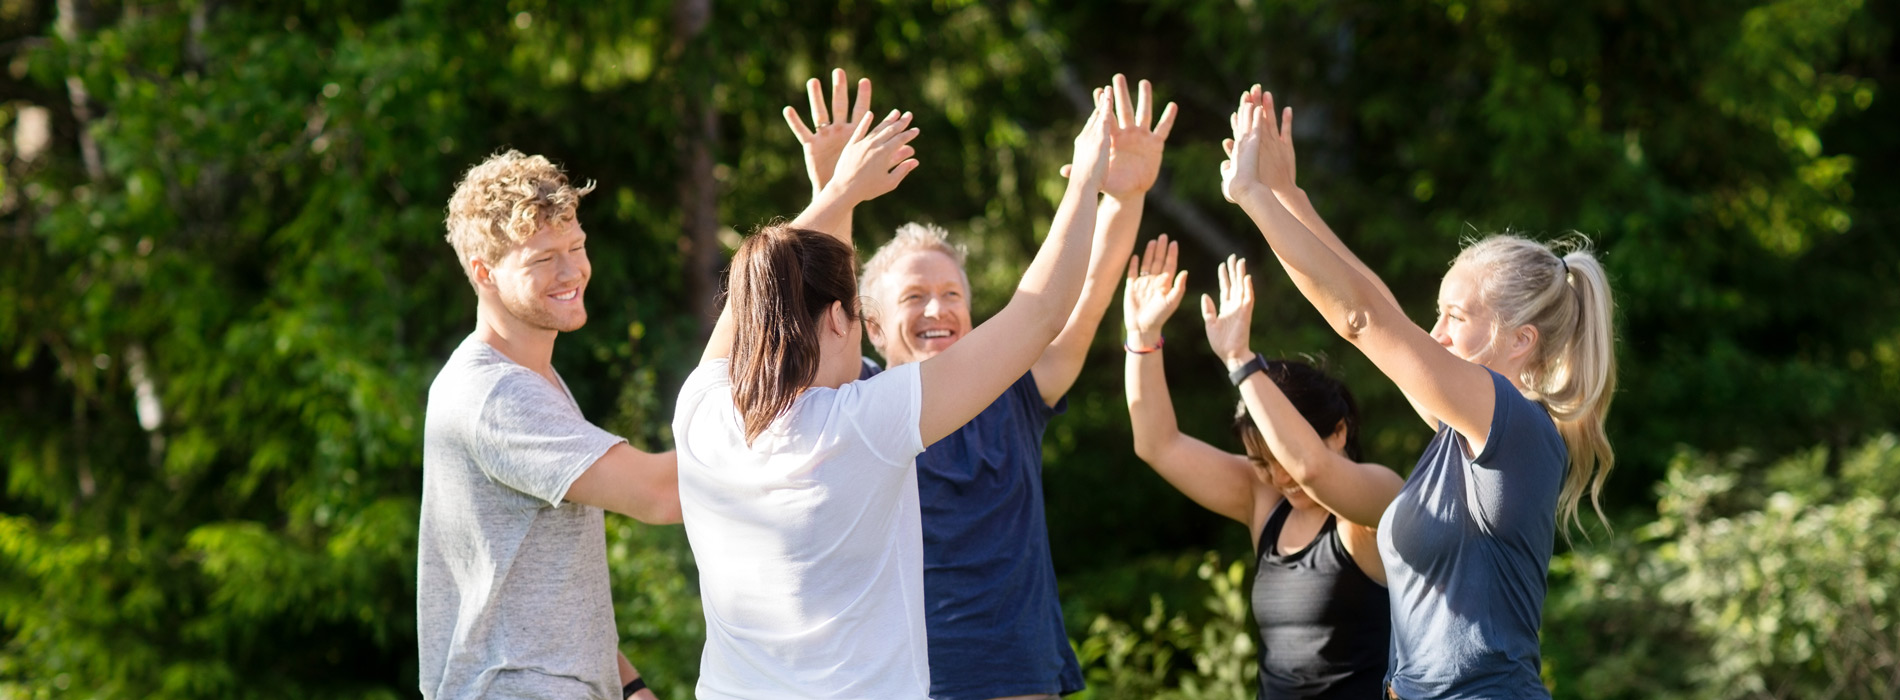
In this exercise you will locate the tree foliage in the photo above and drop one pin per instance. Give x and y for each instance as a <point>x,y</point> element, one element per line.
<point>225,289</point>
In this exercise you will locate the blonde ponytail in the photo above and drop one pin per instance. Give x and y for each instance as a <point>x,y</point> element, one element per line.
<point>1564,292</point>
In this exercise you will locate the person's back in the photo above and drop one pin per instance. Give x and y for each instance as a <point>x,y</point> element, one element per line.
<point>798,480</point>
<point>808,540</point>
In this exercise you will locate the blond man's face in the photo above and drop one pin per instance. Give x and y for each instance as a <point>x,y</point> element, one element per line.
<point>542,280</point>
<point>924,308</point>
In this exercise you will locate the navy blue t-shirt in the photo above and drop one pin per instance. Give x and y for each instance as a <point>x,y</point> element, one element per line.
<point>1467,545</point>
<point>990,606</point>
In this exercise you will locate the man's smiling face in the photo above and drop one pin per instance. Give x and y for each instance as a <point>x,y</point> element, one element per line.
<point>923,304</point>
<point>542,280</point>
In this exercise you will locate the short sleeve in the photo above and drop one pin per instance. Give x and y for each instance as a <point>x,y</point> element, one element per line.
<point>886,411</point>
<point>1029,394</point>
<point>1519,427</point>
<point>531,438</point>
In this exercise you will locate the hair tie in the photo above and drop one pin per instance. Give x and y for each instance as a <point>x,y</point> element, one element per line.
<point>1565,263</point>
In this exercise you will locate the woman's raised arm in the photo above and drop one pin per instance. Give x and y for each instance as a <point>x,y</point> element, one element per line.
<point>963,380</point>
<point>1439,383</point>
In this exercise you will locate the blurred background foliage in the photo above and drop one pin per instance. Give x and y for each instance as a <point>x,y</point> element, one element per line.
<point>224,291</point>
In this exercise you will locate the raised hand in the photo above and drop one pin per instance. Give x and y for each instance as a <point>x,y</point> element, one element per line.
<point>875,158</point>
<point>834,125</point>
<point>1134,153</point>
<point>1260,154</point>
<point>1228,324</point>
<point>1092,143</point>
<point>1153,291</point>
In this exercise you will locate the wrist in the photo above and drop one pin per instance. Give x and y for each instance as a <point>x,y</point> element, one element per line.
<point>1139,341</point>
<point>1233,361</point>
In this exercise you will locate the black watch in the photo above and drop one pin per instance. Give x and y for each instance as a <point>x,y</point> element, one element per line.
<point>633,686</point>
<point>1240,374</point>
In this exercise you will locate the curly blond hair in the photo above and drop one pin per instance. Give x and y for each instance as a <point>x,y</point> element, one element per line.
<point>503,201</point>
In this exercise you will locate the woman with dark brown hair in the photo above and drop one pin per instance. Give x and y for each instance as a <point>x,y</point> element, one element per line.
<point>797,483</point>
<point>1310,502</point>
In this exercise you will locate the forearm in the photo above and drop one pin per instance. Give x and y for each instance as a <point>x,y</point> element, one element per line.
<point>1150,406</point>
<point>629,674</point>
<point>829,212</point>
<point>1300,449</point>
<point>1301,206</point>
<point>1050,287</point>
<point>1116,223</point>
<point>1343,297</point>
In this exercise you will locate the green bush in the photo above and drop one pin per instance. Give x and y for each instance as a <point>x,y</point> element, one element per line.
<point>1126,661</point>
<point>1754,581</point>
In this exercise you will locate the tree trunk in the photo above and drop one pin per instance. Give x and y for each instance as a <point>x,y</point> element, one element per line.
<point>699,194</point>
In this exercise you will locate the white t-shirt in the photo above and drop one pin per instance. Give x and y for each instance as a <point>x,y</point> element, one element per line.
<point>809,541</point>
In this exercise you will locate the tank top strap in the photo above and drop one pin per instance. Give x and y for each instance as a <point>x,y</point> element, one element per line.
<point>1270,532</point>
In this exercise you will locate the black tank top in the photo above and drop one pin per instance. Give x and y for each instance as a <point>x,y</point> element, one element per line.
<point>1324,625</point>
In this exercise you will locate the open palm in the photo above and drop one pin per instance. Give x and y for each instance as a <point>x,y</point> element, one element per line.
<point>1134,159</point>
<point>1154,289</point>
<point>1230,322</point>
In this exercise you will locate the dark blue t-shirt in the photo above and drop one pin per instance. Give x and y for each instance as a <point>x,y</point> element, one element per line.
<point>990,606</point>
<point>1466,546</point>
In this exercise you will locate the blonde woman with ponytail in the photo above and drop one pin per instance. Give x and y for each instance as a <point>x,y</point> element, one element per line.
<point>1515,378</point>
<point>798,482</point>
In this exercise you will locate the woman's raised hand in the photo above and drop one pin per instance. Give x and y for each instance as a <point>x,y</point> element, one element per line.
<point>1260,154</point>
<point>1154,290</point>
<point>1228,324</point>
<point>876,158</point>
<point>1134,152</point>
<point>1091,144</point>
<point>833,126</point>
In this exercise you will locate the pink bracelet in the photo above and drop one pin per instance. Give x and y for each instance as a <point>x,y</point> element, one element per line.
<point>1159,341</point>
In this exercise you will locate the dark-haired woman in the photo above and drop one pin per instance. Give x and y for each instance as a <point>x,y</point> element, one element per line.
<point>797,483</point>
<point>1313,508</point>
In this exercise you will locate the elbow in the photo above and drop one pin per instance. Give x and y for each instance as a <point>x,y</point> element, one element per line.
<point>1352,322</point>
<point>664,512</point>
<point>662,507</point>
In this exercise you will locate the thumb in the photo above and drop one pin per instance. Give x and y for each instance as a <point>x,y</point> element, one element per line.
<point>1066,169</point>
<point>1208,312</point>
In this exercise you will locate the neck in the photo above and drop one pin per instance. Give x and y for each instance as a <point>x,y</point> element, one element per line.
<point>527,346</point>
<point>835,369</point>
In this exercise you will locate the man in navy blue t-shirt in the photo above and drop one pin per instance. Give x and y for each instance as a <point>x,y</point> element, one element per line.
<point>994,623</point>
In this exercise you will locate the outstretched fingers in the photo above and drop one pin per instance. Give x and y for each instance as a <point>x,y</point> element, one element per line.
<point>815,92</point>
<point>1166,125</point>
<point>840,97</point>
<point>797,123</point>
<point>1124,110</point>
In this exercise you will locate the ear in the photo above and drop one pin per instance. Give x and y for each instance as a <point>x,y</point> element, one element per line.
<point>1337,441</point>
<point>1523,341</point>
<point>836,322</point>
<point>481,273</point>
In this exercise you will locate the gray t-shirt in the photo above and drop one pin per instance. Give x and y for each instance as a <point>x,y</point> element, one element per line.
<point>512,595</point>
<point>1466,546</point>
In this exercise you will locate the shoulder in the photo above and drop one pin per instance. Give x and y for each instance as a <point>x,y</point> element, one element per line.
<point>1520,427</point>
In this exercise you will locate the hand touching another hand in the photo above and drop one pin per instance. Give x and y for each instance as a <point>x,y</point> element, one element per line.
<point>1260,154</point>
<point>1091,144</point>
<point>1229,324</point>
<point>875,158</point>
<point>834,125</point>
<point>1134,153</point>
<point>1154,290</point>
